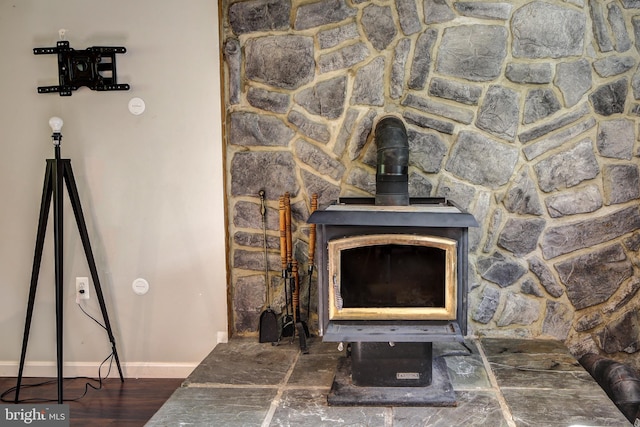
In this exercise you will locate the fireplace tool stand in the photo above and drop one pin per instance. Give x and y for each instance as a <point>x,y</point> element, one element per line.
<point>57,171</point>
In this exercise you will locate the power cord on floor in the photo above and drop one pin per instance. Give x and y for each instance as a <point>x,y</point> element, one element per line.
<point>86,386</point>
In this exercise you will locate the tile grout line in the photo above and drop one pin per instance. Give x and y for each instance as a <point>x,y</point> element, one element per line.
<point>281,388</point>
<point>225,385</point>
<point>388,417</point>
<point>506,412</point>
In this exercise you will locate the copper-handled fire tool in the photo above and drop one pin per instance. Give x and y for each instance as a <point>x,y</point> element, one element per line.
<point>312,251</point>
<point>287,319</point>
<point>289,292</point>
<point>287,222</point>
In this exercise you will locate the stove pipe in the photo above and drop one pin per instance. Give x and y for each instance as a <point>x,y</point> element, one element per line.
<point>392,180</point>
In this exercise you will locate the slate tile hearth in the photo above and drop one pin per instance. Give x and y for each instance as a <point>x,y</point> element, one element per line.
<point>502,382</point>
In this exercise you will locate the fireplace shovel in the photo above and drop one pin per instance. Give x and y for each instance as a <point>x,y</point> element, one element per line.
<point>269,331</point>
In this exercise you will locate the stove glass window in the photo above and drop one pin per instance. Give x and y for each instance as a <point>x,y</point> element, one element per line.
<point>392,276</point>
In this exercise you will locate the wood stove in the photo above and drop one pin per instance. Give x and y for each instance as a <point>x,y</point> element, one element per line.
<point>392,273</point>
<point>392,279</point>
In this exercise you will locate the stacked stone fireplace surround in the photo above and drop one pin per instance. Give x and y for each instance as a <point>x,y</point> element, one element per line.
<point>525,114</point>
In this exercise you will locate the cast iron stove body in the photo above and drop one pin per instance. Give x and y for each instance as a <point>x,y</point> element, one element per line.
<point>433,217</point>
<point>380,334</point>
<point>403,234</point>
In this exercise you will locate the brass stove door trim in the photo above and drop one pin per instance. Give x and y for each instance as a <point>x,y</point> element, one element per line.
<point>338,312</point>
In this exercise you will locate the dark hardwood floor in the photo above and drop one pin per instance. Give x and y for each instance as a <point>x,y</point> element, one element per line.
<point>130,403</point>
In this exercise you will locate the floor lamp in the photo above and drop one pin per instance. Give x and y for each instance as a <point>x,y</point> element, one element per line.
<point>58,171</point>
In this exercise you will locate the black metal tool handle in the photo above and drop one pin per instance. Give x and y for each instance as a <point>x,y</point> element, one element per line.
<point>263,215</point>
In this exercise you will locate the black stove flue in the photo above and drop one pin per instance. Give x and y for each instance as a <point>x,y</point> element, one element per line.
<point>392,171</point>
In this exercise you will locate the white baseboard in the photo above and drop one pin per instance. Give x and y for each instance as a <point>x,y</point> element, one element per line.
<point>90,369</point>
<point>223,337</point>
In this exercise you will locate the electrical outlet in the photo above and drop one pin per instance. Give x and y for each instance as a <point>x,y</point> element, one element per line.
<point>82,288</point>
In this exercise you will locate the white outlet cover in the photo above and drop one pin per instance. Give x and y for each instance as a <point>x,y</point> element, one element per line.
<point>136,106</point>
<point>140,286</point>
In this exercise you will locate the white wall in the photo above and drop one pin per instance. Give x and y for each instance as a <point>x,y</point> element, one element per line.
<point>151,185</point>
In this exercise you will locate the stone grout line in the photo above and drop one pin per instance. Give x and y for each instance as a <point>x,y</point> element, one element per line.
<point>506,412</point>
<point>388,417</point>
<point>223,385</point>
<point>281,388</point>
<point>261,386</point>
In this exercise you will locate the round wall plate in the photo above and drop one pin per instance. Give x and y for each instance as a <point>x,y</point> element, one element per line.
<point>136,106</point>
<point>140,286</point>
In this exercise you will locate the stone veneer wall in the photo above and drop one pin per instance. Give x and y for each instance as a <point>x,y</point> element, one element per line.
<point>523,113</point>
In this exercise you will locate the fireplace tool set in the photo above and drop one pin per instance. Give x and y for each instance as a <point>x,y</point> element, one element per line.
<point>292,323</point>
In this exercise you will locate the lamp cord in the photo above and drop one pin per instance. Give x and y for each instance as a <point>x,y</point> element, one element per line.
<point>3,396</point>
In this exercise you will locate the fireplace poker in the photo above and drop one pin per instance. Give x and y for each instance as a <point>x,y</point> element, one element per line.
<point>287,319</point>
<point>303,332</point>
<point>301,326</point>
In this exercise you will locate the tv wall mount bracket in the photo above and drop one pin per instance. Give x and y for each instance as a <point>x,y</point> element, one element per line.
<point>94,67</point>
